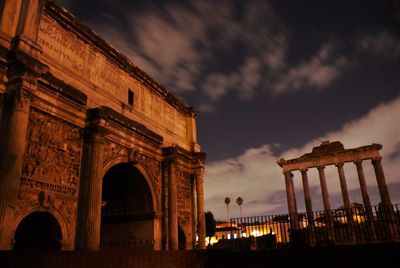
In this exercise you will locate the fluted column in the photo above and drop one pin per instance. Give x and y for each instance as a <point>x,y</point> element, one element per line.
<point>290,195</point>
<point>201,222</point>
<point>13,144</point>
<point>324,188</point>
<point>165,228</point>
<point>172,208</point>
<point>380,178</point>
<point>194,209</point>
<point>88,228</point>
<point>343,186</point>
<point>307,197</point>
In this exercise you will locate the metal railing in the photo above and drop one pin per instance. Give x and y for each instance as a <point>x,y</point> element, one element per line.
<point>358,225</point>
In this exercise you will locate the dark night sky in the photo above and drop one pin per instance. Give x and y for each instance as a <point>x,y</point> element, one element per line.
<point>269,79</point>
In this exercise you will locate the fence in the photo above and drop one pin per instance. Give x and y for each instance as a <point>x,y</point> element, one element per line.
<point>358,225</point>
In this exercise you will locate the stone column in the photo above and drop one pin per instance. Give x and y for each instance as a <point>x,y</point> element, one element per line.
<point>365,197</point>
<point>172,208</point>
<point>165,228</point>
<point>194,209</point>
<point>343,186</point>
<point>325,199</point>
<point>290,195</point>
<point>380,178</point>
<point>201,221</point>
<point>324,188</point>
<point>14,132</point>
<point>307,197</point>
<point>363,184</point>
<point>89,222</point>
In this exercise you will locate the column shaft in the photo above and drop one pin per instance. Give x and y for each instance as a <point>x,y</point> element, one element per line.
<point>363,184</point>
<point>90,194</point>
<point>365,197</point>
<point>172,209</point>
<point>307,197</point>
<point>290,195</point>
<point>324,188</point>
<point>13,144</point>
<point>343,186</point>
<point>200,210</point>
<point>165,228</point>
<point>194,209</point>
<point>380,178</point>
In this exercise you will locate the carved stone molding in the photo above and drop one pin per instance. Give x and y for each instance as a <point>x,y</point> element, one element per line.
<point>19,99</point>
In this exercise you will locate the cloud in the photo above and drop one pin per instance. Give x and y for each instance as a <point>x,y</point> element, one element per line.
<point>383,44</point>
<point>321,70</point>
<point>257,178</point>
<point>209,47</point>
<point>218,49</point>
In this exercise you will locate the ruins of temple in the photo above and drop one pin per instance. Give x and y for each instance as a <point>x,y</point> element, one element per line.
<point>95,154</point>
<point>334,153</point>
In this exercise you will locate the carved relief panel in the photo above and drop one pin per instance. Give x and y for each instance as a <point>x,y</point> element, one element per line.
<point>184,201</point>
<point>51,165</point>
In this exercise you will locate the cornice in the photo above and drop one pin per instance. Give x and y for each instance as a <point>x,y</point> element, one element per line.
<point>113,117</point>
<point>71,23</point>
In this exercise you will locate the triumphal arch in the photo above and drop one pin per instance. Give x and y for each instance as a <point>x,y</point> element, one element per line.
<point>95,154</point>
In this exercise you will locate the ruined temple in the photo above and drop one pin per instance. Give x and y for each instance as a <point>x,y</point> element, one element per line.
<point>95,154</point>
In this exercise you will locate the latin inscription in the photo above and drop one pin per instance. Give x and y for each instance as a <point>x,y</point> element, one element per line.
<point>41,185</point>
<point>79,57</point>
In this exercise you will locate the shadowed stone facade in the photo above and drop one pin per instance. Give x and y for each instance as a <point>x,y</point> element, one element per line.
<point>94,152</point>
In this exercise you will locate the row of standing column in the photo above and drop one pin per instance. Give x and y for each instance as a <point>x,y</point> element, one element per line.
<point>380,177</point>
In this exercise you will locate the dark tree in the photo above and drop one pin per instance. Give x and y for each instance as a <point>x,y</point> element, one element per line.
<point>210,224</point>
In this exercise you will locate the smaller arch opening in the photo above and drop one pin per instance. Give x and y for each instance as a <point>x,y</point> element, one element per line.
<point>38,230</point>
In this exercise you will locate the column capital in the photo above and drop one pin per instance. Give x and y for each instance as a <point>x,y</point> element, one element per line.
<point>376,160</point>
<point>289,172</point>
<point>303,170</point>
<point>358,162</point>
<point>19,99</point>
<point>199,172</point>
<point>340,164</point>
<point>95,134</point>
<point>320,168</point>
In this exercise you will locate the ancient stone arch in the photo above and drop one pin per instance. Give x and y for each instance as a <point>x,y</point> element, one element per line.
<point>149,176</point>
<point>26,232</point>
<point>67,118</point>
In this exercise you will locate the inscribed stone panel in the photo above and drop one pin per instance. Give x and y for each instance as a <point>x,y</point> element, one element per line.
<point>76,55</point>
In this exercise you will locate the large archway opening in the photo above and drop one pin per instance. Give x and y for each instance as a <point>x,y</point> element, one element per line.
<point>39,230</point>
<point>127,214</point>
